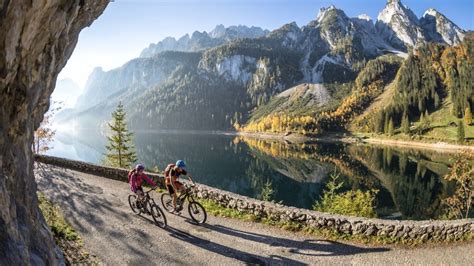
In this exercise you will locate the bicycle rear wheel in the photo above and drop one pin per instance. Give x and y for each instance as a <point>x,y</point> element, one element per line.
<point>197,212</point>
<point>158,215</point>
<point>167,202</point>
<point>132,201</point>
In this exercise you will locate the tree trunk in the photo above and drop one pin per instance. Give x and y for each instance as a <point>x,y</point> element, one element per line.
<point>36,39</point>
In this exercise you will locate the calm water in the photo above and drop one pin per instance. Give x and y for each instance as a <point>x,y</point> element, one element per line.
<point>409,182</point>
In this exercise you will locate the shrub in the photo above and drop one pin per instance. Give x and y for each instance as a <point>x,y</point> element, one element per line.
<point>267,191</point>
<point>353,202</point>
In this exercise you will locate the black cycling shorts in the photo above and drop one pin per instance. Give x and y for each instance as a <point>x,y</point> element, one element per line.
<point>170,189</point>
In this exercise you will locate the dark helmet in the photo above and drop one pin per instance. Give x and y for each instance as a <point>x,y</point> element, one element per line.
<point>140,167</point>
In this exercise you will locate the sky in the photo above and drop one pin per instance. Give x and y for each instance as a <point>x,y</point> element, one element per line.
<point>128,26</point>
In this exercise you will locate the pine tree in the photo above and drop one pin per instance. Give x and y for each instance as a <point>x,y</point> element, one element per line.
<point>120,150</point>
<point>390,127</point>
<point>437,101</point>
<point>405,124</point>
<point>461,132</point>
<point>385,126</point>
<point>468,116</point>
<point>379,123</point>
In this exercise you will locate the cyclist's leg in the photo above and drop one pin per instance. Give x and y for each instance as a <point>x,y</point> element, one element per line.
<point>172,194</point>
<point>140,194</point>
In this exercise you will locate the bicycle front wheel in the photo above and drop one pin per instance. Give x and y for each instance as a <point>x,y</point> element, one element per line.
<point>197,212</point>
<point>167,202</point>
<point>158,215</point>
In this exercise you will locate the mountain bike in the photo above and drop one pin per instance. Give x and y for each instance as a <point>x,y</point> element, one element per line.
<point>195,209</point>
<point>148,206</point>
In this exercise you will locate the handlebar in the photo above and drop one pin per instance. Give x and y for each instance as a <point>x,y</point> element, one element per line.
<point>151,189</point>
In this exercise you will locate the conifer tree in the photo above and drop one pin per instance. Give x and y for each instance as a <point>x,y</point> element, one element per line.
<point>385,127</point>
<point>405,124</point>
<point>390,127</point>
<point>120,149</point>
<point>461,132</point>
<point>468,116</point>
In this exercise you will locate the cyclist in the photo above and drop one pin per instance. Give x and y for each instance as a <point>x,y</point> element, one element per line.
<point>135,179</point>
<point>172,173</point>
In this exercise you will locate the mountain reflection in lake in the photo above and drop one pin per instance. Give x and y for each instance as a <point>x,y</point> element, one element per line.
<point>410,182</point>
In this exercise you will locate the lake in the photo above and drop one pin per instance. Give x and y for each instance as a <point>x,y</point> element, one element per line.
<point>409,182</point>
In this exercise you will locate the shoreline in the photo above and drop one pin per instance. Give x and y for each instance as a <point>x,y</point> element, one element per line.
<point>297,138</point>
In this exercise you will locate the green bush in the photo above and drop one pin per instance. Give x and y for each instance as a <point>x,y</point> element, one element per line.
<point>353,202</point>
<point>267,191</point>
<point>60,228</point>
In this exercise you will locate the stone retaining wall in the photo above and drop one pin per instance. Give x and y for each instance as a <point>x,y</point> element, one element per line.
<point>395,229</point>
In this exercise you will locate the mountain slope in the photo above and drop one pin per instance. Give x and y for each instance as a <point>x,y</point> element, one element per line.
<point>319,76</point>
<point>433,88</point>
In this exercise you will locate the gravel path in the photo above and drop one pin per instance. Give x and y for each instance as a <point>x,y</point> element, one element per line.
<point>98,209</point>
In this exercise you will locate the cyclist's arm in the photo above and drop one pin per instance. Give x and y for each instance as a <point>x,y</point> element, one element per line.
<point>149,180</point>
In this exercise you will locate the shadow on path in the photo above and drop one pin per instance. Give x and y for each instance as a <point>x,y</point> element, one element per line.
<point>323,247</point>
<point>231,252</point>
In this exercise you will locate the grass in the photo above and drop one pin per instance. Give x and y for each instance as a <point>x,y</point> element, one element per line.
<point>440,129</point>
<point>217,210</point>
<point>64,234</point>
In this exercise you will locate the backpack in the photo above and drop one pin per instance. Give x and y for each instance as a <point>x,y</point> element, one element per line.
<point>130,174</point>
<point>168,170</point>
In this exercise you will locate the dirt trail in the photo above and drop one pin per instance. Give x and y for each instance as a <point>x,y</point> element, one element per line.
<point>98,209</point>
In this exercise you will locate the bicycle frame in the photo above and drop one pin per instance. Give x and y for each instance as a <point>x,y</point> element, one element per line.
<point>185,195</point>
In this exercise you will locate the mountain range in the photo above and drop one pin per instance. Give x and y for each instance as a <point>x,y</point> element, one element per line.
<point>231,77</point>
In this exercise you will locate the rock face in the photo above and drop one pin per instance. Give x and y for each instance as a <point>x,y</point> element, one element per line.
<point>36,39</point>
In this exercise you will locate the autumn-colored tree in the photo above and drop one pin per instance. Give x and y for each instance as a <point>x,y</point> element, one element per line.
<point>120,150</point>
<point>44,135</point>
<point>459,205</point>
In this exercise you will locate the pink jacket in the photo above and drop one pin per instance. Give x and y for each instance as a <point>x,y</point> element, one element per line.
<point>135,180</point>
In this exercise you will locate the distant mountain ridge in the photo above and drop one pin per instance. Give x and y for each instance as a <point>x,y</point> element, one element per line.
<point>222,79</point>
<point>203,40</point>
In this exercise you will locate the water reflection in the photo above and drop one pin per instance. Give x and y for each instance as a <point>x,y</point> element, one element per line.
<point>409,181</point>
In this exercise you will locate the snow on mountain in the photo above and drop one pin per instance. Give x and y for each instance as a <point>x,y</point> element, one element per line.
<point>439,28</point>
<point>203,40</point>
<point>399,26</point>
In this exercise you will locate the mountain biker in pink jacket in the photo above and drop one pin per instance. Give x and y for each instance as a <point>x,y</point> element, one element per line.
<point>135,179</point>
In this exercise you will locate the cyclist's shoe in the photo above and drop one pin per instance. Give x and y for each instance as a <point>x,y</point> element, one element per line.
<point>176,211</point>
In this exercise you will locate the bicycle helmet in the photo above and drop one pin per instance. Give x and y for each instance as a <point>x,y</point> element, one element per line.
<point>181,164</point>
<point>140,167</point>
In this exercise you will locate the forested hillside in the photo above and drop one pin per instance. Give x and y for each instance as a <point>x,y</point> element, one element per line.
<point>433,88</point>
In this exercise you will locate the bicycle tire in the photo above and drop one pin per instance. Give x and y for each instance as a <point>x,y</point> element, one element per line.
<point>167,202</point>
<point>158,215</point>
<point>132,201</point>
<point>195,208</point>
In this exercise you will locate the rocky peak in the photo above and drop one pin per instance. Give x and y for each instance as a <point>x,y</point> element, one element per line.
<point>326,13</point>
<point>399,26</point>
<point>439,28</point>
